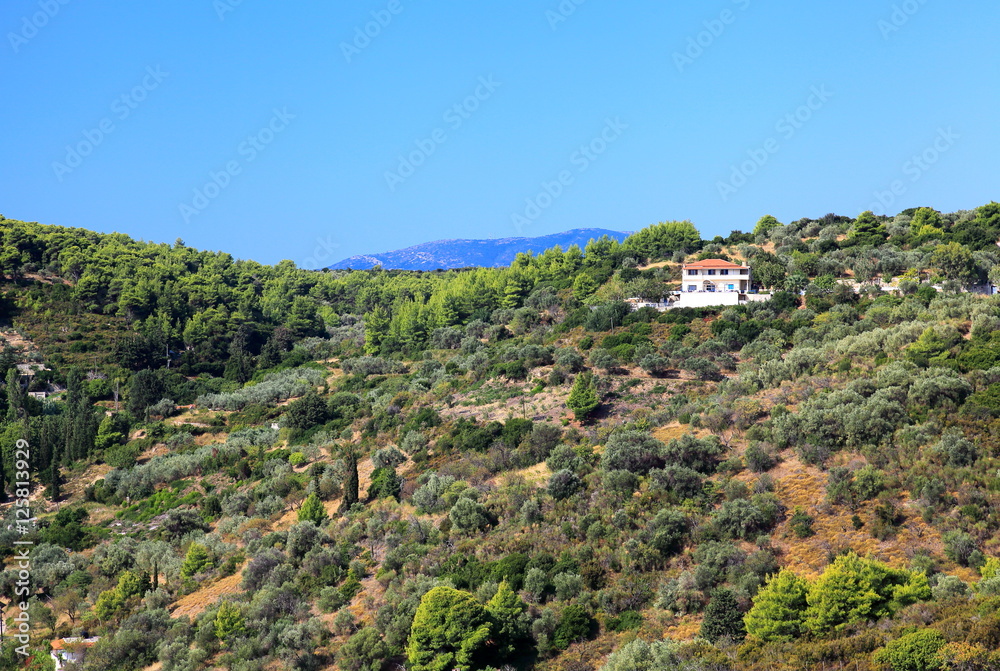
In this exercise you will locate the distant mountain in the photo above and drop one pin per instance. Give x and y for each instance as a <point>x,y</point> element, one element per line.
<point>465,253</point>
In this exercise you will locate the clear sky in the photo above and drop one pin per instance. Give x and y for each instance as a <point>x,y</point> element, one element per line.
<point>282,131</point>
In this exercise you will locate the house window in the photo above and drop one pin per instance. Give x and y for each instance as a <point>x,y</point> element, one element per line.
<point>711,272</point>
<point>692,272</point>
<point>692,287</point>
<point>723,272</point>
<point>743,271</point>
<point>731,287</point>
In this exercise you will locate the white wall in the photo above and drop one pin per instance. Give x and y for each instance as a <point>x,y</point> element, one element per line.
<point>707,299</point>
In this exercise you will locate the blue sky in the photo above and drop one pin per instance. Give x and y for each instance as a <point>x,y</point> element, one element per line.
<point>283,131</point>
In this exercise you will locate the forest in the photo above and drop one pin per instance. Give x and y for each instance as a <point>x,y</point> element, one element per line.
<point>251,467</point>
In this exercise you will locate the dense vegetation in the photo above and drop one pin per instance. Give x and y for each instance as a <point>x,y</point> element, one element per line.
<point>252,467</point>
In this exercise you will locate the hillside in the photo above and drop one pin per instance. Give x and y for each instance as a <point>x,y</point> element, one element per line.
<point>247,467</point>
<point>472,253</point>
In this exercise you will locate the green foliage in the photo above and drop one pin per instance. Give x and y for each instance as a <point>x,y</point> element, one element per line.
<point>575,624</point>
<point>228,623</point>
<point>583,399</point>
<point>723,619</point>
<point>659,241</point>
<point>638,655</point>
<point>67,529</point>
<point>196,560</point>
<point>510,621</point>
<point>450,631</point>
<point>312,510</point>
<point>801,524</point>
<point>778,609</point>
<point>955,261</point>
<point>867,230</point>
<point>385,484</point>
<point>917,651</point>
<point>564,484</point>
<point>364,651</point>
<point>855,589</point>
<point>765,225</point>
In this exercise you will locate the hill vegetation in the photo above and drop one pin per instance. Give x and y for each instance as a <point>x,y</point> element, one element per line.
<point>250,467</point>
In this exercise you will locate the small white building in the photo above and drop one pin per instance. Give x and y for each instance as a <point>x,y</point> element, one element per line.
<point>70,651</point>
<point>715,276</point>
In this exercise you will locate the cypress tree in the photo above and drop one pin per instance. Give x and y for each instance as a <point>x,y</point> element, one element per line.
<point>15,396</point>
<point>723,618</point>
<point>351,482</point>
<point>56,480</point>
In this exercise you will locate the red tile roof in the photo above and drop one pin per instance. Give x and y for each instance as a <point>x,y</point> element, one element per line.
<point>62,643</point>
<point>713,263</point>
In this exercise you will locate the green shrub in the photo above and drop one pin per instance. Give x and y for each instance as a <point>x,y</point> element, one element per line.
<point>912,652</point>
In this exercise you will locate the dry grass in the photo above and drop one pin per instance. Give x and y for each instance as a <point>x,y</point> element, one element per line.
<point>800,485</point>
<point>195,603</point>
<point>676,430</point>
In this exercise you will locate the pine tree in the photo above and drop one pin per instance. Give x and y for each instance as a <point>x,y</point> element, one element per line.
<point>583,397</point>
<point>196,560</point>
<point>376,328</point>
<point>510,626</point>
<point>723,618</point>
<point>778,609</point>
<point>312,510</point>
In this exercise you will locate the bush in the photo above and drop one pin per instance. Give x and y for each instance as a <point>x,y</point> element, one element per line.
<point>723,619</point>
<point>758,459</point>
<point>741,519</point>
<point>912,652</point>
<point>564,484</point>
<point>469,515</point>
<point>956,449</point>
<point>385,484</point>
<point>633,451</point>
<point>802,524</point>
<point>575,624</point>
<point>960,547</point>
<point>371,365</point>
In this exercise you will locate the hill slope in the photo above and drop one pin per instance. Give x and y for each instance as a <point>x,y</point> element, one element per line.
<point>251,467</point>
<point>468,253</point>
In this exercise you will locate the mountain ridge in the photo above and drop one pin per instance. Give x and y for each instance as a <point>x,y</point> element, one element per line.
<point>464,253</point>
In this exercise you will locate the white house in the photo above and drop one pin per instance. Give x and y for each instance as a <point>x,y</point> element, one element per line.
<point>715,276</point>
<point>70,651</point>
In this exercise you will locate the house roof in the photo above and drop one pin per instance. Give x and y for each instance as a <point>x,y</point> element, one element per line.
<point>63,643</point>
<point>713,263</point>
